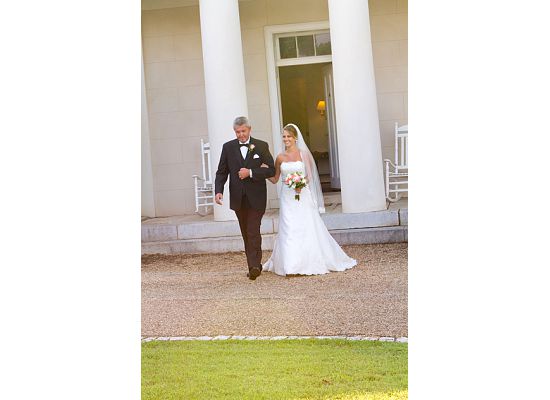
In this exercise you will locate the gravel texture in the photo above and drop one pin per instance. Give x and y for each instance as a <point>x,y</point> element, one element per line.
<point>210,295</point>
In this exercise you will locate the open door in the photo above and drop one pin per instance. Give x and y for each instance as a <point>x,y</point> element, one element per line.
<point>332,134</point>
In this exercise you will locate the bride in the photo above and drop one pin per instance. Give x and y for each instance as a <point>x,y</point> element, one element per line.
<point>303,245</point>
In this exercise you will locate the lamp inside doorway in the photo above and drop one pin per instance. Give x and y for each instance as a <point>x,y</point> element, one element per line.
<point>321,107</point>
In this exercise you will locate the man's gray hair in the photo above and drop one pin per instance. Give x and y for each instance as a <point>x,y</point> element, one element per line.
<point>241,121</point>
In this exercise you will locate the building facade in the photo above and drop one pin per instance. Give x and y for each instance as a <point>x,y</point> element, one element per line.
<point>337,68</point>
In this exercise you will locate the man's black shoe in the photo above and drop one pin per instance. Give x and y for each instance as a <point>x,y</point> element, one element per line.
<point>254,273</point>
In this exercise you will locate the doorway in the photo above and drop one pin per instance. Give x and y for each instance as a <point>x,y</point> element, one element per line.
<point>299,58</point>
<point>306,100</point>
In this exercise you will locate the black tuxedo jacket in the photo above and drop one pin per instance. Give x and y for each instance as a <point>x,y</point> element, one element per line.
<point>231,161</point>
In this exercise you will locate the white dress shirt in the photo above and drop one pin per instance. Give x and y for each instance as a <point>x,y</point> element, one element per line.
<point>244,150</point>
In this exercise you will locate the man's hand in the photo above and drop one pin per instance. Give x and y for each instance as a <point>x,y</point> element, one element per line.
<point>244,173</point>
<point>219,198</point>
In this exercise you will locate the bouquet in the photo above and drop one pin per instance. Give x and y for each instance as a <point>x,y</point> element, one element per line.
<point>296,181</point>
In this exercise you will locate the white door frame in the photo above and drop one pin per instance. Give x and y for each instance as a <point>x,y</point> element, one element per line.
<point>272,71</point>
<point>330,113</point>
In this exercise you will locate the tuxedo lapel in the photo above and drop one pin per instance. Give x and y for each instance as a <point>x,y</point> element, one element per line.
<point>248,153</point>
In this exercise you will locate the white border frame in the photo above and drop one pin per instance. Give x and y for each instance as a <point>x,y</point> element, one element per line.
<point>274,97</point>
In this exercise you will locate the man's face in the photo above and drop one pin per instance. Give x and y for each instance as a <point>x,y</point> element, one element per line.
<point>242,132</point>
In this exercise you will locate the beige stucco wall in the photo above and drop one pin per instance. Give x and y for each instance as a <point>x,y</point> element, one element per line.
<point>175,83</point>
<point>388,20</point>
<point>177,111</point>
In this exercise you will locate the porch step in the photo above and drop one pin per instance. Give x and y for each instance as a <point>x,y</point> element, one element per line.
<point>196,227</point>
<point>388,234</point>
<point>196,234</point>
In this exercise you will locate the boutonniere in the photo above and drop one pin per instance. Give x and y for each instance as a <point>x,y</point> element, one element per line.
<point>251,148</point>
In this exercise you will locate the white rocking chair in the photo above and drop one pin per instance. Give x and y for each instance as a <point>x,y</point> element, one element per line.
<point>397,172</point>
<point>204,187</point>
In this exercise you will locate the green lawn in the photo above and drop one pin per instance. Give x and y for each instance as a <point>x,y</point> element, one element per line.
<point>284,369</point>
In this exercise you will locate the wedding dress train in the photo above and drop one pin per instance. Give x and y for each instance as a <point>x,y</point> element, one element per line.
<point>303,244</point>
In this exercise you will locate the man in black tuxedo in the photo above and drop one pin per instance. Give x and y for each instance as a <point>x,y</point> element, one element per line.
<point>242,160</point>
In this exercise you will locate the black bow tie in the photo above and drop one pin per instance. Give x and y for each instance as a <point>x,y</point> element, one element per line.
<point>243,144</point>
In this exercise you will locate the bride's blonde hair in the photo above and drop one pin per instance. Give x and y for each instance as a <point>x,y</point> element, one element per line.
<point>290,128</point>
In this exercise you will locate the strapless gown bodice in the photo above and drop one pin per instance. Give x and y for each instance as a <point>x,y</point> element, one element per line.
<point>289,167</point>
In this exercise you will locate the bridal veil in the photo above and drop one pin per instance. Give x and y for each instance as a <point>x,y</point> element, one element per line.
<point>312,175</point>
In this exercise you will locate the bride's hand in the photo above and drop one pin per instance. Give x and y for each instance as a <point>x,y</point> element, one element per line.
<point>298,190</point>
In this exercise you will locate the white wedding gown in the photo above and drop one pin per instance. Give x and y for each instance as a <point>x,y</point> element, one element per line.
<point>303,245</point>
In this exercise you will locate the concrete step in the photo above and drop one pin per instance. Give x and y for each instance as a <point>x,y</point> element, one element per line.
<point>388,234</point>
<point>196,227</point>
<point>201,234</point>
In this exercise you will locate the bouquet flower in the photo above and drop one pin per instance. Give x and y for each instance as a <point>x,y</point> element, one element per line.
<point>296,181</point>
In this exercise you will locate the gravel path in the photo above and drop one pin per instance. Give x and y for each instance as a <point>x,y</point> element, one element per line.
<point>195,295</point>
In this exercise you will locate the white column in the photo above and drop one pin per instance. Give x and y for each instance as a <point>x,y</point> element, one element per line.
<point>147,194</point>
<point>359,148</point>
<point>224,80</point>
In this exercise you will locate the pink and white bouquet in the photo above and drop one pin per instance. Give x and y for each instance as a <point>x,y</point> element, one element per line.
<point>296,181</point>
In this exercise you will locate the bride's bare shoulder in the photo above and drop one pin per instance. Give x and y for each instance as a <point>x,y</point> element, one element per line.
<point>280,158</point>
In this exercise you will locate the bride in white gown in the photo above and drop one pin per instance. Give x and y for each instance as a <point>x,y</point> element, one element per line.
<point>303,245</point>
